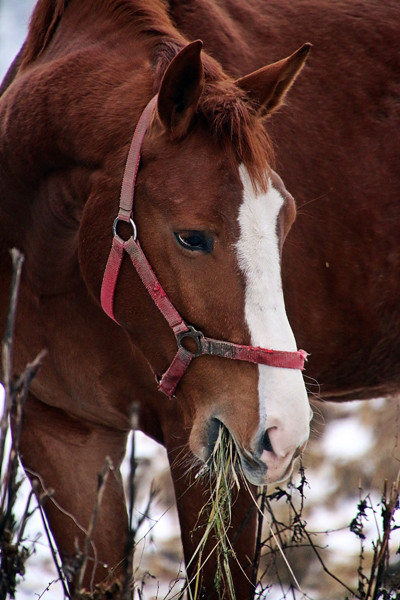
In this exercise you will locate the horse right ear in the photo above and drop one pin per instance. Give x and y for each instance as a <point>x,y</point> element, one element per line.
<point>180,90</point>
<point>268,86</point>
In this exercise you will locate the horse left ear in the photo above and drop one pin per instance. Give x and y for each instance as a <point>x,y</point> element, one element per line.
<point>180,90</point>
<point>268,86</point>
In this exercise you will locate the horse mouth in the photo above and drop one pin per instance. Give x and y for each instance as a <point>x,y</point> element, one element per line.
<point>243,461</point>
<point>247,463</point>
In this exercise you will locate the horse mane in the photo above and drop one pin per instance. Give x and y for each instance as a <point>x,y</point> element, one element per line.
<point>44,20</point>
<point>223,106</point>
<point>148,16</point>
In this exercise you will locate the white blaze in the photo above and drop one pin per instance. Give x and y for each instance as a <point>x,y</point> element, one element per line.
<point>284,408</point>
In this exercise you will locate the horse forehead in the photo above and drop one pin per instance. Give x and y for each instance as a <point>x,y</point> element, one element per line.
<point>261,212</point>
<point>198,150</point>
<point>193,174</point>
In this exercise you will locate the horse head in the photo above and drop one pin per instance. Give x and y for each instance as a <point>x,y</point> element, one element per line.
<point>211,217</point>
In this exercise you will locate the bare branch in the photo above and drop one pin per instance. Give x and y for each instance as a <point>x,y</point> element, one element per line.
<point>101,482</point>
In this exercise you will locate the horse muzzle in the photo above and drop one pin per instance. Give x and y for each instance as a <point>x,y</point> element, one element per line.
<point>269,468</point>
<point>260,466</point>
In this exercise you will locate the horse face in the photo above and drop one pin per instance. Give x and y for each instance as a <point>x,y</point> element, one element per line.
<point>215,247</point>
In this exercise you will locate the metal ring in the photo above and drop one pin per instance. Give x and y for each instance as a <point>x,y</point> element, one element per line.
<point>133,225</point>
<point>193,334</point>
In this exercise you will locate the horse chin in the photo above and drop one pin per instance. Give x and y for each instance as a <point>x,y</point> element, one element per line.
<point>268,469</point>
<point>261,473</point>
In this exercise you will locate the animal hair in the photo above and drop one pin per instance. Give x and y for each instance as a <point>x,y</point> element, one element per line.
<point>223,106</point>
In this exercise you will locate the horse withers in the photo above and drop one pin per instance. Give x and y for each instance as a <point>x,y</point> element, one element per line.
<point>208,221</point>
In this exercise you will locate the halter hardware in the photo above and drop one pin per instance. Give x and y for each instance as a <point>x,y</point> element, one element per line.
<point>168,382</point>
<point>193,334</point>
<point>132,224</point>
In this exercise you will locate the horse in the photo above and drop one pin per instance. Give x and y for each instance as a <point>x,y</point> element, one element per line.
<point>341,258</point>
<point>212,217</point>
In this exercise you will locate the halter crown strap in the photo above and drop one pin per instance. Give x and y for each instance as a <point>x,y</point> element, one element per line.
<point>132,162</point>
<point>204,345</point>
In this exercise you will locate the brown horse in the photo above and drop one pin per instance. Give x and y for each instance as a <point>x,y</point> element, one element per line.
<point>337,146</point>
<point>211,218</point>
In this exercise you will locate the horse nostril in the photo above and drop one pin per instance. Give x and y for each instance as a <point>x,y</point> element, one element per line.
<point>267,443</point>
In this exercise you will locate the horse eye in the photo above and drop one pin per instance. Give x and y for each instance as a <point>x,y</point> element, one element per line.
<point>195,240</point>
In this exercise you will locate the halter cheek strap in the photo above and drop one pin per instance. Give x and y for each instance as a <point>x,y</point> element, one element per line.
<point>182,331</point>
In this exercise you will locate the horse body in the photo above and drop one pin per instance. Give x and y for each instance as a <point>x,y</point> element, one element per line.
<point>68,113</point>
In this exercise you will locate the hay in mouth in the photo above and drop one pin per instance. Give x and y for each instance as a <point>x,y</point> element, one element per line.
<point>221,468</point>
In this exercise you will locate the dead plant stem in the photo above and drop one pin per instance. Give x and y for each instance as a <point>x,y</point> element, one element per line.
<point>102,479</point>
<point>53,551</point>
<point>7,348</point>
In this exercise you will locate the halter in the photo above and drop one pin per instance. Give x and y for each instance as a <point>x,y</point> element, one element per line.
<point>168,382</point>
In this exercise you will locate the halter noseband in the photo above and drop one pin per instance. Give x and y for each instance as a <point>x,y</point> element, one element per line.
<point>204,345</point>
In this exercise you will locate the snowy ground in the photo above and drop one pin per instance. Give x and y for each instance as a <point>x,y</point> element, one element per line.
<point>353,446</point>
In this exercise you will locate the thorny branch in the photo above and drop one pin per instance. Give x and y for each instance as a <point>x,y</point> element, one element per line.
<point>41,499</point>
<point>101,483</point>
<point>371,586</point>
<point>13,553</point>
<point>7,347</point>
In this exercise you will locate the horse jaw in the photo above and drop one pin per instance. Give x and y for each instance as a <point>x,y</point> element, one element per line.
<point>284,411</point>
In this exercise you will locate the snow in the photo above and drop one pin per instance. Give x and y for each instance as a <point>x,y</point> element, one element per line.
<point>355,439</point>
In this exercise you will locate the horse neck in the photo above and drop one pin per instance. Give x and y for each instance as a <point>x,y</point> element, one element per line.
<point>150,15</point>
<point>223,31</point>
<point>102,55</point>
<point>79,102</point>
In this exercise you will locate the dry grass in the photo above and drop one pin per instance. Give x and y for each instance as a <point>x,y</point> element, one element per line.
<point>222,467</point>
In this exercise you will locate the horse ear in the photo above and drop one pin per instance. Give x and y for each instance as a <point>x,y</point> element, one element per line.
<point>180,90</point>
<point>267,87</point>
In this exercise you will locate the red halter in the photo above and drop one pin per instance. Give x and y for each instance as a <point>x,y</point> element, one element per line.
<point>170,379</point>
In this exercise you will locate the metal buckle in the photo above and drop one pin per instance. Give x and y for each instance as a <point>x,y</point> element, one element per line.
<point>132,223</point>
<point>193,334</point>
